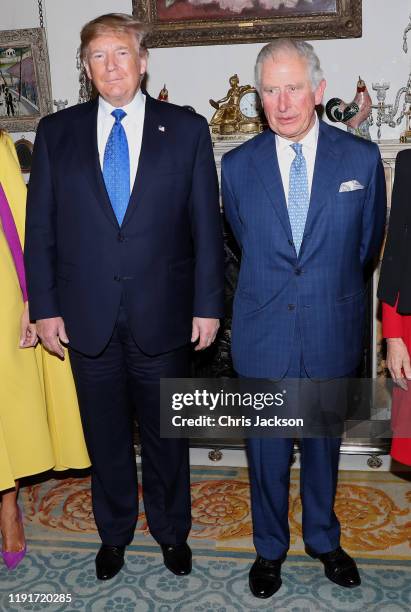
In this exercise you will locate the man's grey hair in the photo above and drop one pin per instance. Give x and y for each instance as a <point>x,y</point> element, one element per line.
<point>283,46</point>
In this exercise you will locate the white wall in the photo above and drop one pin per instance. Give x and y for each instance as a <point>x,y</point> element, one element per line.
<point>195,74</point>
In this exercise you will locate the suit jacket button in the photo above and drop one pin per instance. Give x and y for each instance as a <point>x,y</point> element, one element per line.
<point>121,237</point>
<point>117,278</point>
<point>291,306</point>
<point>298,271</point>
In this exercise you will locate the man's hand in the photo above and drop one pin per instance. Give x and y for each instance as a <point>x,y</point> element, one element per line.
<point>28,333</point>
<point>205,331</point>
<point>398,362</point>
<point>51,332</point>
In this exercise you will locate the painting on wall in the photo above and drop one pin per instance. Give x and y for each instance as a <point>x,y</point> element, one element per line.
<point>25,92</point>
<point>202,22</point>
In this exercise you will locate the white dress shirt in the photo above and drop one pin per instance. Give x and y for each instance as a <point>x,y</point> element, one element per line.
<point>286,155</point>
<point>133,126</point>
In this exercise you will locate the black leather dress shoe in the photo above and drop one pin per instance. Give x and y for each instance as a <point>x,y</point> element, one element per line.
<point>338,567</point>
<point>109,561</point>
<point>177,558</point>
<point>265,577</point>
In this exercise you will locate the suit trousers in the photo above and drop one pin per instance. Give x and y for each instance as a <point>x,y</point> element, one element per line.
<point>270,462</point>
<point>120,384</point>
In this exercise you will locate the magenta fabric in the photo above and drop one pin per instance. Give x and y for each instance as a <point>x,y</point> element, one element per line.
<point>13,240</point>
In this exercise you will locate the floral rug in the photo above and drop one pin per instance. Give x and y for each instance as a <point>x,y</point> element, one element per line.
<point>374,509</point>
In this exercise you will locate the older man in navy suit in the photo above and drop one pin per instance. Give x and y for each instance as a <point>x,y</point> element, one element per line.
<point>306,202</point>
<point>125,263</point>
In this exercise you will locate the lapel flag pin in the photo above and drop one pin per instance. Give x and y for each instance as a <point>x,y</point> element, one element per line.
<point>161,128</point>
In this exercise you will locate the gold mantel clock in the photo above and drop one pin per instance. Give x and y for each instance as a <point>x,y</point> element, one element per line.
<point>239,112</point>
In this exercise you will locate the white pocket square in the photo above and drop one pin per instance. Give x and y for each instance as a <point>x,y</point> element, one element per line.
<point>350,186</point>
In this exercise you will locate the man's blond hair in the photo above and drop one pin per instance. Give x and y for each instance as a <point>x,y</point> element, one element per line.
<point>117,23</point>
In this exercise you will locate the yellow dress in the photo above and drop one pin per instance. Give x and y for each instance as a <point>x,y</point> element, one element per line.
<point>40,425</point>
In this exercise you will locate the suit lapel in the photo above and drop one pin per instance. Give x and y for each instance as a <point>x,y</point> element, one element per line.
<point>85,131</point>
<point>325,168</point>
<point>265,162</point>
<point>152,150</point>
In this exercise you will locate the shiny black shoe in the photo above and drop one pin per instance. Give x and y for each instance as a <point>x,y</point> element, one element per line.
<point>265,577</point>
<point>177,558</point>
<point>109,561</point>
<point>338,567</point>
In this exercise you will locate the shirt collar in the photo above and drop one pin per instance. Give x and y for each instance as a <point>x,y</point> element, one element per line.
<point>309,141</point>
<point>132,108</point>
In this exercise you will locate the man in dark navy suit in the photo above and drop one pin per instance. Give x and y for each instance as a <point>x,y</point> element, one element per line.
<point>125,264</point>
<point>306,202</point>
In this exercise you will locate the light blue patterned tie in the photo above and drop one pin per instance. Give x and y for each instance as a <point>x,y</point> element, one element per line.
<point>116,166</point>
<point>298,196</point>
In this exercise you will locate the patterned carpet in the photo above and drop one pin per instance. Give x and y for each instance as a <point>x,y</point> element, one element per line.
<point>374,510</point>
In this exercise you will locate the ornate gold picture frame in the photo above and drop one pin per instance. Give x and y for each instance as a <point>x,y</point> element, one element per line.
<point>175,23</point>
<point>25,86</point>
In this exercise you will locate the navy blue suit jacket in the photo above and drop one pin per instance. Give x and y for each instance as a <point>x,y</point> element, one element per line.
<point>167,256</point>
<point>324,285</point>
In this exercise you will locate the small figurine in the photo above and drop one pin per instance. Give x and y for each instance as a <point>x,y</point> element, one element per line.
<point>227,114</point>
<point>355,114</point>
<point>163,95</point>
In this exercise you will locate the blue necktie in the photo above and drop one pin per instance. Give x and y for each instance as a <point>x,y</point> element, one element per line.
<point>298,196</point>
<point>116,167</point>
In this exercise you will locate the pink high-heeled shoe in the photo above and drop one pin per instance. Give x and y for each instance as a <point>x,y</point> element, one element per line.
<point>13,558</point>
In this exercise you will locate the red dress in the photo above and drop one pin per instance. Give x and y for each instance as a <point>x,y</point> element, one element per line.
<point>395,325</point>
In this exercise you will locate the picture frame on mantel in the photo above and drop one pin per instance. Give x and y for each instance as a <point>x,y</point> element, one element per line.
<point>175,23</point>
<point>25,84</point>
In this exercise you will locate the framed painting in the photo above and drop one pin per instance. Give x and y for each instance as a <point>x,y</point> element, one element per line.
<point>174,23</point>
<point>25,90</point>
